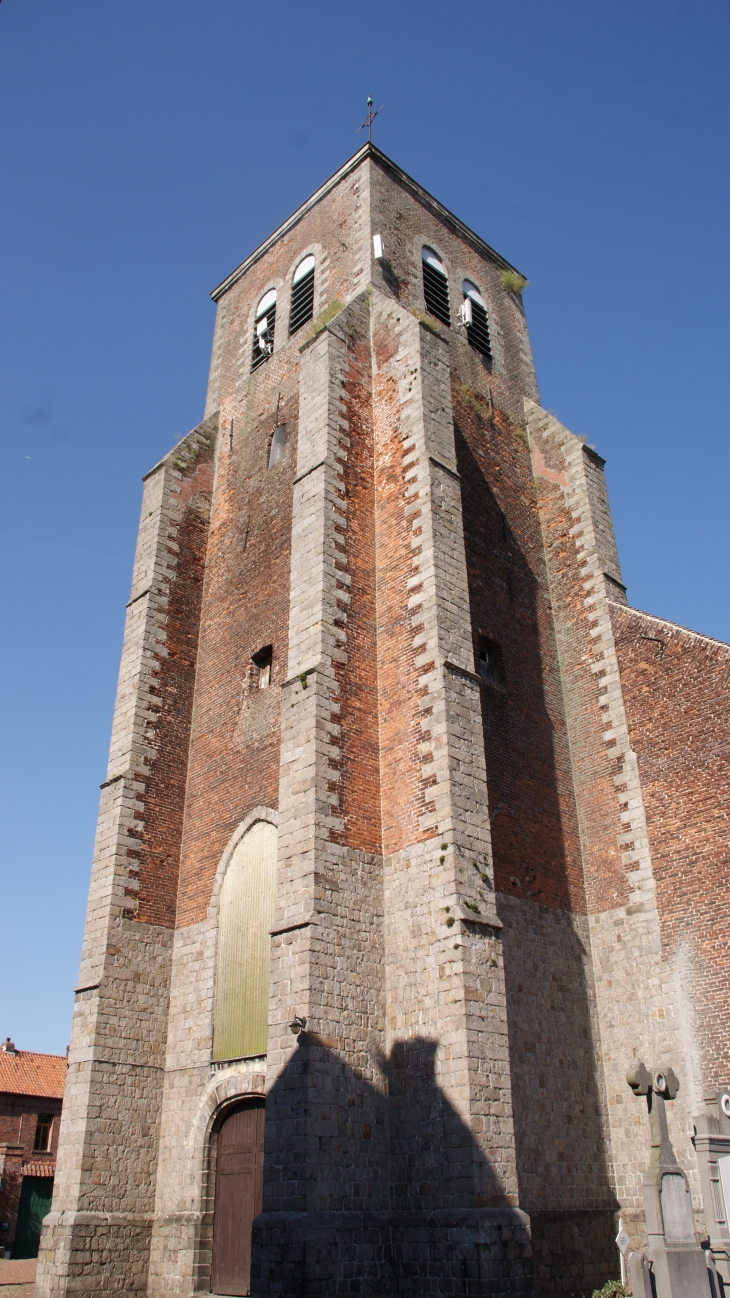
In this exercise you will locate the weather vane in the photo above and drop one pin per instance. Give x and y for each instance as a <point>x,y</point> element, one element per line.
<point>370,119</point>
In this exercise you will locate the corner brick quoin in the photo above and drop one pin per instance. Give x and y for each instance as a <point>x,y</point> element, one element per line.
<point>377,618</point>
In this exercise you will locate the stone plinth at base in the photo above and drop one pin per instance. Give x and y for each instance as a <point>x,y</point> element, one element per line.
<point>484,1252</point>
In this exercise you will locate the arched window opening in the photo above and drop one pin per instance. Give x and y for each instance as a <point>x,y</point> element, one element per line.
<point>247,901</point>
<point>278,442</point>
<point>474,314</point>
<point>263,330</point>
<point>435,286</point>
<point>491,663</point>
<point>302,295</point>
<point>262,667</point>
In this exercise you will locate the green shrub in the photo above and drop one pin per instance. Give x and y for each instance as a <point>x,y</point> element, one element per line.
<point>512,281</point>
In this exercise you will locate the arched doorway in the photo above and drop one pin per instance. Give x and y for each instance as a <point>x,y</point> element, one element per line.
<point>238,1189</point>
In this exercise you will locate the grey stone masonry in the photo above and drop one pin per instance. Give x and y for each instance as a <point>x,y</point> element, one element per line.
<point>446,983</point>
<point>104,1190</point>
<point>640,998</point>
<point>434,1074</point>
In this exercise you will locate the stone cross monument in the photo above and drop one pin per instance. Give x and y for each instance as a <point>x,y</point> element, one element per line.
<point>677,1261</point>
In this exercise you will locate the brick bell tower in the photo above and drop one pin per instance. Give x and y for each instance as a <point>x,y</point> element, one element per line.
<point>347,1021</point>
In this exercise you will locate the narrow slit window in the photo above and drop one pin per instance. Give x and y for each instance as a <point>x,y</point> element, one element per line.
<point>278,442</point>
<point>263,330</point>
<point>302,295</point>
<point>491,663</point>
<point>435,286</point>
<point>43,1128</point>
<point>478,329</point>
<point>262,666</point>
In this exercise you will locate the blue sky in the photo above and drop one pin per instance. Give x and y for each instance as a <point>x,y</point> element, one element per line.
<point>146,148</point>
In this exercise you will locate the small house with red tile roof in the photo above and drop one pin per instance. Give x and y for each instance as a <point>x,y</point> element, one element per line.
<point>31,1096</point>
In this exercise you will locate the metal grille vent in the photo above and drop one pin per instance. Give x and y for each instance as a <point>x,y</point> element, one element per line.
<point>263,330</point>
<point>436,292</point>
<point>479,330</point>
<point>302,302</point>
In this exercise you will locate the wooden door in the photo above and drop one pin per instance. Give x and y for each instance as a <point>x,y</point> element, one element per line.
<point>238,1189</point>
<point>36,1193</point>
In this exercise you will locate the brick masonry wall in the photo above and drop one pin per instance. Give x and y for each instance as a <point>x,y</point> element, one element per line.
<point>675,688</point>
<point>18,1121</point>
<point>431,668</point>
<point>640,998</point>
<point>104,1188</point>
<point>532,804</point>
<point>234,748</point>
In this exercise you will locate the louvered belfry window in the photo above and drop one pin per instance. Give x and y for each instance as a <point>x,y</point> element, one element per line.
<point>478,330</point>
<point>435,286</point>
<point>246,913</point>
<point>263,330</point>
<point>302,295</point>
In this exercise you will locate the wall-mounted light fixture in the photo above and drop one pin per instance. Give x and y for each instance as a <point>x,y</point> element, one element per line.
<point>298,1024</point>
<point>378,249</point>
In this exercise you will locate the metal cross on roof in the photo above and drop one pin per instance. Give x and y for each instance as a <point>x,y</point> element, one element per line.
<point>370,119</point>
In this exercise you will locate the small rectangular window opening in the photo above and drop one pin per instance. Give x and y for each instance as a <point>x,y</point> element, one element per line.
<point>491,663</point>
<point>44,1125</point>
<point>262,664</point>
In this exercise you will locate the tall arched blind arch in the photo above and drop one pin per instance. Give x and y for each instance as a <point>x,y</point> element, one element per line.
<point>246,912</point>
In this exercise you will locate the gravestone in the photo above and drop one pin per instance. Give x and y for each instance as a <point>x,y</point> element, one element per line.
<point>712,1143</point>
<point>678,1266</point>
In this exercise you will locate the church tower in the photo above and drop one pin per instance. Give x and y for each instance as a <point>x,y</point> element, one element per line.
<point>352,1015</point>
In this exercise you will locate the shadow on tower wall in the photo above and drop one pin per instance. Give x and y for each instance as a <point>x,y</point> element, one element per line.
<point>559,1107</point>
<point>370,1189</point>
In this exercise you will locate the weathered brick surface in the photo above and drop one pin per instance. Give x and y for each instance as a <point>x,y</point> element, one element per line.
<point>532,804</point>
<point>234,743</point>
<point>675,687</point>
<point>480,906</point>
<point>640,995</point>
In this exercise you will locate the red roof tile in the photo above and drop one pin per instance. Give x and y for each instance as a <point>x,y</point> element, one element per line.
<point>28,1073</point>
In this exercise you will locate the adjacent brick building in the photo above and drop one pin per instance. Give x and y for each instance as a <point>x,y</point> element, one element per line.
<point>405,852</point>
<point>31,1096</point>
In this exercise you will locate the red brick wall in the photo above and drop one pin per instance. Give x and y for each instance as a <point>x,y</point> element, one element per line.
<point>405,794</point>
<point>234,751</point>
<point>18,1120</point>
<point>676,687</point>
<point>594,769</point>
<point>160,838</point>
<point>359,755</point>
<point>234,745</point>
<point>531,802</point>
